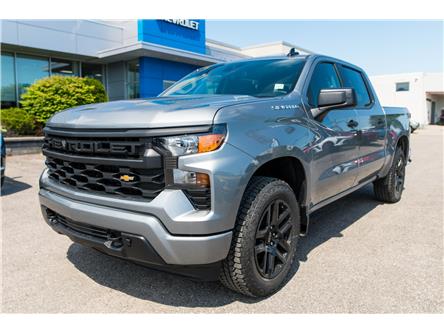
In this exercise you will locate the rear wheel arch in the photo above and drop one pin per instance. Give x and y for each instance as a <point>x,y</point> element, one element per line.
<point>403,142</point>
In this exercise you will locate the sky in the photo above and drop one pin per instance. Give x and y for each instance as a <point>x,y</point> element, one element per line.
<point>379,47</point>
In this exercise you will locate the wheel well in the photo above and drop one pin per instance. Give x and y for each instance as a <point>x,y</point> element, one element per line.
<point>403,142</point>
<point>291,171</point>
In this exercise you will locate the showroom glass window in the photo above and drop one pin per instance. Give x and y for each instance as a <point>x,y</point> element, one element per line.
<point>133,79</point>
<point>64,67</point>
<point>8,95</point>
<point>94,71</point>
<point>324,77</point>
<point>29,70</point>
<point>353,79</point>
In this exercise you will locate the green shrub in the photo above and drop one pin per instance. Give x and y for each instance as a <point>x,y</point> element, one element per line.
<point>52,94</point>
<point>17,121</point>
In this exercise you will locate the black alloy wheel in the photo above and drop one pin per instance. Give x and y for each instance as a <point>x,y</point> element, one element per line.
<point>389,188</point>
<point>273,239</point>
<point>265,238</point>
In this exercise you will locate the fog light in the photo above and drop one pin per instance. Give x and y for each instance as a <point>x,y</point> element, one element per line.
<point>190,178</point>
<point>202,179</point>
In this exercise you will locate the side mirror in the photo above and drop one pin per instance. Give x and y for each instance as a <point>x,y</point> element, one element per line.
<point>334,98</point>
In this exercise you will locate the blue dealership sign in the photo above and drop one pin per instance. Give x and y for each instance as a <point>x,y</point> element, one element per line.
<point>186,35</point>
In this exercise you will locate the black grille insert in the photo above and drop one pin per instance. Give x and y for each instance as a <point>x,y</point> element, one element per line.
<point>114,180</point>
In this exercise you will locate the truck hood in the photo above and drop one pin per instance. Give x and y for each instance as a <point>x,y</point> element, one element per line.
<point>147,113</point>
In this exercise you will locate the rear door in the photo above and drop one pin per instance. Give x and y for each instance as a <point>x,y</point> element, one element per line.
<point>371,123</point>
<point>335,150</point>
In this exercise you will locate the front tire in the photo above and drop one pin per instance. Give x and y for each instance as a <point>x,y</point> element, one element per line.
<point>389,189</point>
<point>264,239</point>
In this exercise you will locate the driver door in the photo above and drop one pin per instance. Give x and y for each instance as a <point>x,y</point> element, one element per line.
<point>335,151</point>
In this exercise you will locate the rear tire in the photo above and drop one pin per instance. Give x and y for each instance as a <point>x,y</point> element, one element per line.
<point>264,240</point>
<point>389,189</point>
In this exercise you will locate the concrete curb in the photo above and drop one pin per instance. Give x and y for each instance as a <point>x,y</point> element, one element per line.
<point>23,145</point>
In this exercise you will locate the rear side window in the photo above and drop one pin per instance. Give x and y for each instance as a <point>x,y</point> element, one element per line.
<point>324,77</point>
<point>353,79</point>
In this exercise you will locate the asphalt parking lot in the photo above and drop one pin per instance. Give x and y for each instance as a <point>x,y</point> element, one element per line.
<point>360,256</point>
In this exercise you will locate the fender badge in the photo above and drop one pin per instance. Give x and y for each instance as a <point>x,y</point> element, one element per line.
<point>284,107</point>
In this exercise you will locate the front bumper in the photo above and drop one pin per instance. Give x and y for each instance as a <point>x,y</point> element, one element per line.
<point>169,249</point>
<point>175,232</point>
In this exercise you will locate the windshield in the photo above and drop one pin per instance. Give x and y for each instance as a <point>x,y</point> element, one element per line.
<point>259,78</point>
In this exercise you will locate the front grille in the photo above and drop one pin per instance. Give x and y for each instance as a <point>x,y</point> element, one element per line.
<point>127,167</point>
<point>110,179</point>
<point>83,228</point>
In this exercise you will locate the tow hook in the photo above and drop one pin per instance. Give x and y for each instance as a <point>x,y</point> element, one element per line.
<point>113,242</point>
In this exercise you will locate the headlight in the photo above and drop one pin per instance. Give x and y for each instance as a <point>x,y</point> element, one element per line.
<point>181,145</point>
<point>193,144</point>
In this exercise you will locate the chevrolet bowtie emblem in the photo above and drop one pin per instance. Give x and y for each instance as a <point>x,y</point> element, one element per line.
<point>126,178</point>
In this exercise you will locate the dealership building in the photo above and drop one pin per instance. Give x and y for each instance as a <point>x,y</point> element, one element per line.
<point>141,58</point>
<point>132,58</point>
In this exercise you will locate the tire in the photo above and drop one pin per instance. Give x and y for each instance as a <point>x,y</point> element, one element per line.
<point>263,248</point>
<point>389,189</point>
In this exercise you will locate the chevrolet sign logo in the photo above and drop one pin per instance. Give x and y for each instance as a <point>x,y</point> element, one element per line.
<point>190,24</point>
<point>126,178</point>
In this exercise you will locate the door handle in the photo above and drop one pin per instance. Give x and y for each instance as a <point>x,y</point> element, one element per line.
<point>352,123</point>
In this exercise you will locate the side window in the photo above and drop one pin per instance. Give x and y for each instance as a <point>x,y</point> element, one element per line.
<point>324,77</point>
<point>353,79</point>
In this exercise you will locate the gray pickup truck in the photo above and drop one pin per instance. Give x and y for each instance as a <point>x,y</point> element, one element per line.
<point>217,177</point>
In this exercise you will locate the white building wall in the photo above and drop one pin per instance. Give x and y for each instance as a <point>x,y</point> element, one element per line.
<point>222,54</point>
<point>271,49</point>
<point>415,99</point>
<point>230,52</point>
<point>129,30</point>
<point>83,37</point>
<point>434,82</point>
<point>223,51</point>
<point>266,50</point>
